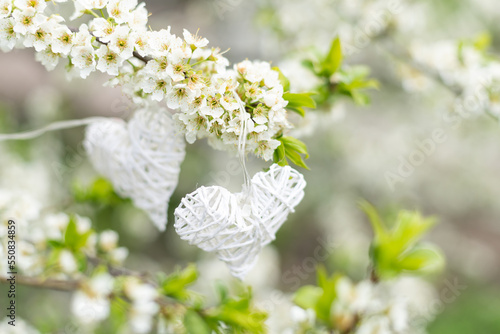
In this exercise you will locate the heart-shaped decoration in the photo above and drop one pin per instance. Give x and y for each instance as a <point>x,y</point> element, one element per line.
<point>237,226</point>
<point>141,159</point>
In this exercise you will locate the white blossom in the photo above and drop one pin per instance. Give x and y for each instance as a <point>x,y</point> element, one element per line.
<point>108,240</point>
<point>62,40</point>
<point>37,5</point>
<point>121,42</point>
<point>84,58</point>
<point>91,303</point>
<point>108,61</point>
<point>67,262</point>
<point>5,8</point>
<point>120,10</point>
<point>27,21</point>
<point>8,36</point>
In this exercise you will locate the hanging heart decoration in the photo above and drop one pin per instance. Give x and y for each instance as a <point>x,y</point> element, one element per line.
<point>141,159</point>
<point>237,226</point>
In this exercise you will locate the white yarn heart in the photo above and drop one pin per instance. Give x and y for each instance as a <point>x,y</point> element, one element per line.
<point>237,226</point>
<point>141,159</point>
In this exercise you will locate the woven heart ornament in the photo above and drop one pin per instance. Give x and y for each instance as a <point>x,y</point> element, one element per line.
<point>141,159</point>
<point>237,226</point>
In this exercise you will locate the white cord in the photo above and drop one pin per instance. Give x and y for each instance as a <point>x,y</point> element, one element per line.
<point>51,127</point>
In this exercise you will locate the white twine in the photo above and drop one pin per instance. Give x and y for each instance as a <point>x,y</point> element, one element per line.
<point>218,221</point>
<point>242,141</point>
<point>141,159</point>
<point>51,127</point>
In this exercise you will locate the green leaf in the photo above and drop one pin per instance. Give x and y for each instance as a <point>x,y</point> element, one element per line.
<point>375,220</point>
<point>280,155</point>
<point>299,100</point>
<point>175,285</point>
<point>195,324</point>
<point>283,79</point>
<point>397,250</point>
<point>291,149</point>
<point>71,235</point>
<point>238,314</point>
<point>483,41</point>
<point>424,259</point>
<point>333,59</point>
<point>56,244</point>
<point>295,158</point>
<point>100,191</point>
<point>329,287</point>
<point>295,145</point>
<point>308,296</point>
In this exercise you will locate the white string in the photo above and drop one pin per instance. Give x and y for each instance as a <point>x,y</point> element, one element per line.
<point>51,127</point>
<point>242,141</point>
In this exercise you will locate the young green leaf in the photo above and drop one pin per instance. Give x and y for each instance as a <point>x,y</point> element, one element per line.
<point>291,149</point>
<point>397,250</point>
<point>175,285</point>
<point>194,323</point>
<point>333,59</point>
<point>307,296</point>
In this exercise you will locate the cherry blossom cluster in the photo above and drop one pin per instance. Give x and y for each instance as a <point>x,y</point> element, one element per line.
<point>466,69</point>
<point>227,105</point>
<point>393,307</point>
<point>91,304</point>
<point>41,244</point>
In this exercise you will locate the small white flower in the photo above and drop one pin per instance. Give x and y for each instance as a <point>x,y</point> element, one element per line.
<point>180,97</point>
<point>67,262</point>
<point>118,255</point>
<point>121,43</point>
<point>8,37</point>
<point>27,20</point>
<point>161,42</point>
<point>92,4</point>
<point>54,225</point>
<point>194,40</point>
<point>177,72</point>
<point>139,20</point>
<point>83,37</point>
<point>138,291</point>
<point>102,29</point>
<point>83,224</point>
<point>157,87</point>
<point>140,40</point>
<point>214,107</point>
<point>48,58</point>
<point>109,61</point>
<point>274,98</point>
<point>91,304</point>
<point>120,10</point>
<point>108,240</point>
<point>229,102</point>
<point>37,5</point>
<point>5,8</point>
<point>266,148</point>
<point>179,52</point>
<point>83,57</point>
<point>62,40</point>
<point>30,261</point>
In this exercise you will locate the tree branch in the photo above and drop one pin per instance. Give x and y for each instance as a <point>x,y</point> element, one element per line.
<point>136,54</point>
<point>59,285</point>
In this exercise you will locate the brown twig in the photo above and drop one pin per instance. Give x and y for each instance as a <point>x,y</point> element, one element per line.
<point>52,284</point>
<point>135,53</point>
